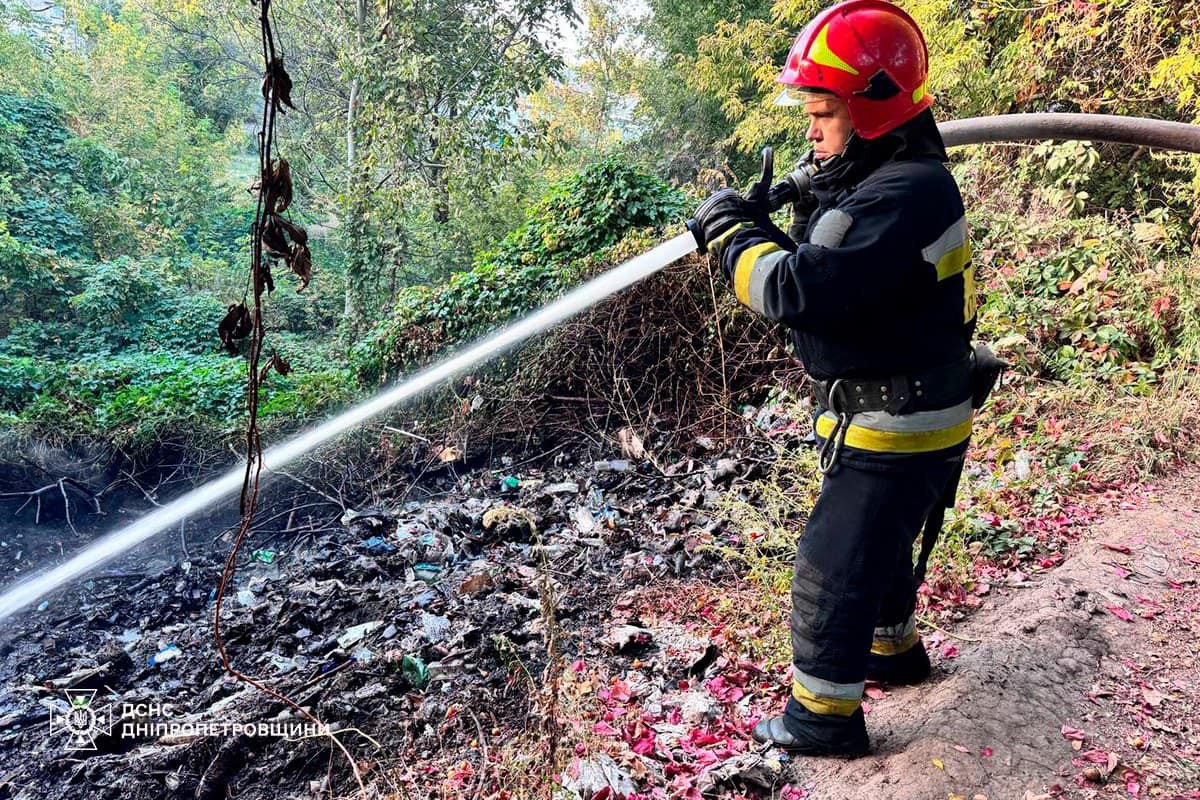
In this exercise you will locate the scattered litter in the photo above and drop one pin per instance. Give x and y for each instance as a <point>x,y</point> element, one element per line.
<point>598,777</point>
<point>629,637</point>
<point>377,544</point>
<point>166,654</point>
<point>265,556</point>
<point>752,769</point>
<point>433,627</point>
<point>1021,463</point>
<point>355,634</point>
<point>427,572</point>
<point>583,519</point>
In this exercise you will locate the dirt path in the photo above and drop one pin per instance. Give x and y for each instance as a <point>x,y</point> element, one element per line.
<point>1079,684</point>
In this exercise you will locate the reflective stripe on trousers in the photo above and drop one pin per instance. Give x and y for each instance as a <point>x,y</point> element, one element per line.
<point>826,697</point>
<point>891,640</point>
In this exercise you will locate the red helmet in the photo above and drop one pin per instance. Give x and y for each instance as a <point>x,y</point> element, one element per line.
<point>871,55</point>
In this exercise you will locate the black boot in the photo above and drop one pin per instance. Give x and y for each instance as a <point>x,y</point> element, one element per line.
<point>802,732</point>
<point>902,669</point>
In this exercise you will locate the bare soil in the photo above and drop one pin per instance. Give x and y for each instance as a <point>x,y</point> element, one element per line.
<point>1078,684</point>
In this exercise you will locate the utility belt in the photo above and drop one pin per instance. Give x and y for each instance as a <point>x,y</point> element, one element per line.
<point>919,412</point>
<point>931,389</point>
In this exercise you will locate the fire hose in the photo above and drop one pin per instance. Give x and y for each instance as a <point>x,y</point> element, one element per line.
<point>1008,128</point>
<point>1011,128</point>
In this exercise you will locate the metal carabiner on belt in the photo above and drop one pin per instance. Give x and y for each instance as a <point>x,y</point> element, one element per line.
<point>831,448</point>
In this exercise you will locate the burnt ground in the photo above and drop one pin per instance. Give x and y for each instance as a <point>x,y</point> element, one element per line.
<point>1077,682</point>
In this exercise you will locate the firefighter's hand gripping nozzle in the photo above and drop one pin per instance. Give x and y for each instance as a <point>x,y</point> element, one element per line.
<point>727,208</point>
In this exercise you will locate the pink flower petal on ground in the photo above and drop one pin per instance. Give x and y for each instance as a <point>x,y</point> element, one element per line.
<point>645,745</point>
<point>604,729</point>
<point>1073,734</point>
<point>949,651</point>
<point>986,752</point>
<point>1116,548</point>
<point>875,693</point>
<point>1119,613</point>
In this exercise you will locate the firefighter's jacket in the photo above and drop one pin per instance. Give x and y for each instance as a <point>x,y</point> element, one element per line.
<point>881,284</point>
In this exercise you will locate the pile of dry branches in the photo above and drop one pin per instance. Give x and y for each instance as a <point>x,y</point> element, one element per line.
<point>673,356</point>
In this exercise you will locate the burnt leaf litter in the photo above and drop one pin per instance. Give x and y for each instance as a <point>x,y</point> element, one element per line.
<point>419,632</point>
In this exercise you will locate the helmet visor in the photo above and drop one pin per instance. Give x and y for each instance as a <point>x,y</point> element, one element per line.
<point>803,96</point>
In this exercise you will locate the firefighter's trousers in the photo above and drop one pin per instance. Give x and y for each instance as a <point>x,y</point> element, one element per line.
<point>853,589</point>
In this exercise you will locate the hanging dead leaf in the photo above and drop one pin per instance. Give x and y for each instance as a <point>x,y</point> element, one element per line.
<point>277,363</point>
<point>265,281</point>
<point>278,185</point>
<point>274,240</point>
<point>236,324</point>
<point>301,264</point>
<point>277,85</point>
<point>297,234</point>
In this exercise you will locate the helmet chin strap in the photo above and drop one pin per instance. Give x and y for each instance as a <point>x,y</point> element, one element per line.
<point>834,160</point>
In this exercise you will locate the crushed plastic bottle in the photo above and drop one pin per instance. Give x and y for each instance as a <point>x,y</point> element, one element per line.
<point>615,465</point>
<point>510,483</point>
<point>595,500</point>
<point>377,544</point>
<point>265,556</point>
<point>166,654</point>
<point>245,597</point>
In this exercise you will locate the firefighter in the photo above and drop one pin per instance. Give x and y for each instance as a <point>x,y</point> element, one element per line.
<point>876,286</point>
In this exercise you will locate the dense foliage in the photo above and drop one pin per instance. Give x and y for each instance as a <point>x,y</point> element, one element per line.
<point>567,235</point>
<point>458,169</point>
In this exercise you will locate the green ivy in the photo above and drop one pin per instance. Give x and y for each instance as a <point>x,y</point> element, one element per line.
<point>563,238</point>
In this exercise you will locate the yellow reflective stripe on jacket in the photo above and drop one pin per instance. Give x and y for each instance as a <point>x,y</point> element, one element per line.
<point>969,301</point>
<point>951,252</point>
<point>826,697</point>
<point>744,270</point>
<point>920,432</point>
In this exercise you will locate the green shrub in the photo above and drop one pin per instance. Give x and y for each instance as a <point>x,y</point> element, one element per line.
<point>563,238</point>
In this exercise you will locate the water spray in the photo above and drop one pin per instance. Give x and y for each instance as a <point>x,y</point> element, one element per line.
<point>1009,128</point>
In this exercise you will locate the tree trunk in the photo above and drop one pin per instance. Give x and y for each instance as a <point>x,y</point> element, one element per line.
<point>355,264</point>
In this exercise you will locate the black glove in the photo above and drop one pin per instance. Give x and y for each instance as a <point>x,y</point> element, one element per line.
<point>717,215</point>
<point>727,209</point>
